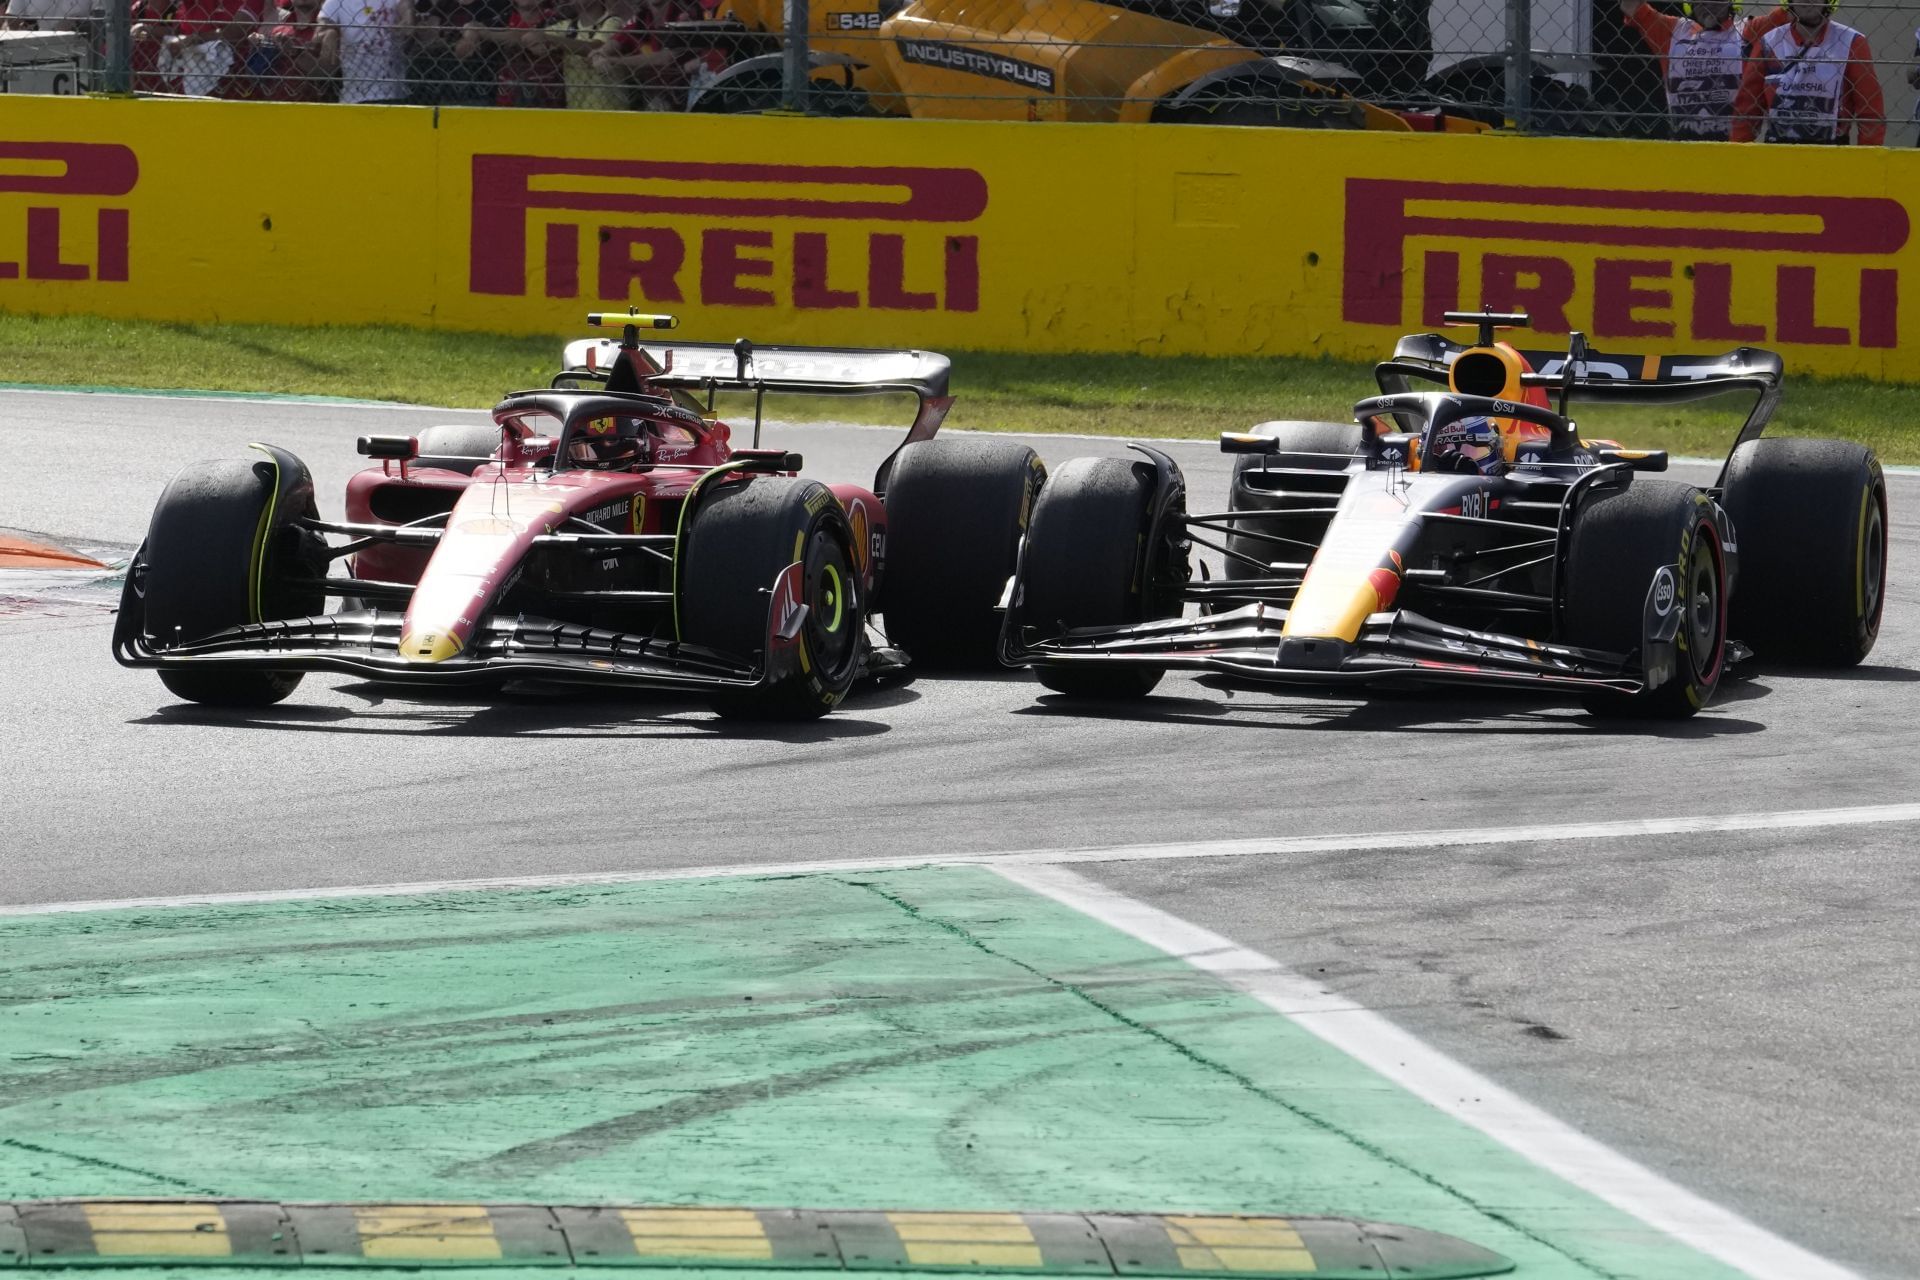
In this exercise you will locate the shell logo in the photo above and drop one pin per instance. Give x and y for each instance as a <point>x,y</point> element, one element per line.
<point>862,544</point>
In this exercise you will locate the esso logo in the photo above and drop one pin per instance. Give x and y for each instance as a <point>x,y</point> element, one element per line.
<point>1663,591</point>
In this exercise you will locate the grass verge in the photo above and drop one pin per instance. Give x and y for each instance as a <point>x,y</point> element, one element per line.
<point>1092,394</point>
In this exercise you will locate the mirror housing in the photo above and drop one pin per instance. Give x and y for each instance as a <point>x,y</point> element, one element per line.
<point>1247,442</point>
<point>388,448</point>
<point>1635,459</point>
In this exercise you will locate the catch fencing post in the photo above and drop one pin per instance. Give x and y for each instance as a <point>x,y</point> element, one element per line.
<point>793,96</point>
<point>1519,62</point>
<point>119,47</point>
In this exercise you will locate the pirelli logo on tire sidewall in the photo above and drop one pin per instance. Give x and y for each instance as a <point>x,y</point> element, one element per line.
<point>977,62</point>
<point>1698,269</point>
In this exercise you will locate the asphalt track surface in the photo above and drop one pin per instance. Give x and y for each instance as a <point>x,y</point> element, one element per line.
<point>1732,1009</point>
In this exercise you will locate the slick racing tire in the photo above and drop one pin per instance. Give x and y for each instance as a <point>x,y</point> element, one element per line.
<point>1085,566</point>
<point>1312,446</point>
<point>458,446</point>
<point>1811,519</point>
<point>220,552</point>
<point>956,511</point>
<point>1621,537</point>
<point>738,540</point>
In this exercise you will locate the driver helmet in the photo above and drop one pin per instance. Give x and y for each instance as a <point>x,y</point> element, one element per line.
<point>606,444</point>
<point>1466,444</point>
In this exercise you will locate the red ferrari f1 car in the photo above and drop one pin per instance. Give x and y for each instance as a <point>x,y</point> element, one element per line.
<point>603,530</point>
<point>1466,534</point>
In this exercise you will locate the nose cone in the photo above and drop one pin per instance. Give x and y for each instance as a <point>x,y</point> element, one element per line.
<point>428,646</point>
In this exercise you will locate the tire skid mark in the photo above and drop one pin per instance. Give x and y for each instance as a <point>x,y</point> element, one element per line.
<point>559,1150</point>
<point>96,1163</point>
<point>1243,1081</point>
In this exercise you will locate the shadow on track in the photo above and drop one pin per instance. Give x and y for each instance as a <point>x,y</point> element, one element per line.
<point>1864,674</point>
<point>546,713</point>
<point>1401,712</point>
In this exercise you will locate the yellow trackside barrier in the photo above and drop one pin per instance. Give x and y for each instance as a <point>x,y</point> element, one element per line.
<point>1164,239</point>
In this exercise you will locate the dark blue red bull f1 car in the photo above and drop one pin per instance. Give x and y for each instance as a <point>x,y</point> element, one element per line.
<point>1462,530</point>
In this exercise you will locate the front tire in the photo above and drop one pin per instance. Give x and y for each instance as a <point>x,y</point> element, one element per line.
<point>1811,518</point>
<point>739,539</point>
<point>1085,565</point>
<point>1621,538</point>
<point>220,552</point>
<point>956,511</point>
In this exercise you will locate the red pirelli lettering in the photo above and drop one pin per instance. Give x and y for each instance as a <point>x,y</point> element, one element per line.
<point>1383,214</point>
<point>511,191</point>
<point>99,170</point>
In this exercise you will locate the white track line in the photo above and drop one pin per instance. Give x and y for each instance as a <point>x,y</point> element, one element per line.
<point>1443,1083</point>
<point>1279,846</point>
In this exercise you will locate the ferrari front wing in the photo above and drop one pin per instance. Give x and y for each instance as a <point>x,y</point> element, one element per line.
<point>366,643</point>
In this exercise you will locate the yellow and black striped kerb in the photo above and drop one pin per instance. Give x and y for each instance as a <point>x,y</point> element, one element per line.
<point>41,1234</point>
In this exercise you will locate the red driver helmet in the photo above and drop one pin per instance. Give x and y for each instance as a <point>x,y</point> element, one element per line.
<point>607,444</point>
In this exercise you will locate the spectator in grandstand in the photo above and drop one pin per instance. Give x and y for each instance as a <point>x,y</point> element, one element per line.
<point>524,78</point>
<point>657,73</point>
<point>367,41</point>
<point>1811,81</point>
<point>46,15</point>
<point>574,40</point>
<point>203,49</point>
<point>152,23</point>
<point>296,66</point>
<point>1701,58</point>
<point>439,77</point>
<point>1913,79</point>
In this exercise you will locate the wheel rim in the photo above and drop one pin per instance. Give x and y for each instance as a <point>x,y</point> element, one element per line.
<point>1706,605</point>
<point>832,633</point>
<point>1873,559</point>
<point>832,596</point>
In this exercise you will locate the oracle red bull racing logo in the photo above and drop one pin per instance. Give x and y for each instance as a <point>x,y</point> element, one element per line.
<point>1697,267</point>
<point>59,213</point>
<point>808,237</point>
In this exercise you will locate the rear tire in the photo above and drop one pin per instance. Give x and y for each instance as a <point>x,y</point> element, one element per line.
<point>1621,537</point>
<point>458,446</point>
<point>1085,566</point>
<point>209,532</point>
<point>956,511</point>
<point>1811,519</point>
<point>741,536</point>
<point>1313,446</point>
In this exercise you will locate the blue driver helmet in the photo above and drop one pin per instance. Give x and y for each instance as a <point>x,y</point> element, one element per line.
<point>1466,444</point>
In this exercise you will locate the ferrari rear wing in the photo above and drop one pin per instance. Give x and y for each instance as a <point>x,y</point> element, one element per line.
<point>720,366</point>
<point>695,368</point>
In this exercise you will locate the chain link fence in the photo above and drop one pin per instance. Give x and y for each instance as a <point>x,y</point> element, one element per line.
<point>1614,68</point>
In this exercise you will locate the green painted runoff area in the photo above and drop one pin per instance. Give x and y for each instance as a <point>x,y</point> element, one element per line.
<point>932,1039</point>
